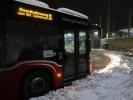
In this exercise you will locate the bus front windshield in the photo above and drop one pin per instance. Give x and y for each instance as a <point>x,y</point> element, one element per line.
<point>26,40</point>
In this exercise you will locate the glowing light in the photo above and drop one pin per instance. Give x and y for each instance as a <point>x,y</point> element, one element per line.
<point>34,14</point>
<point>96,34</point>
<point>59,75</point>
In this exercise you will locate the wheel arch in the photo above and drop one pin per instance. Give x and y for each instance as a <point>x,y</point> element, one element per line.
<point>48,71</point>
<point>30,71</point>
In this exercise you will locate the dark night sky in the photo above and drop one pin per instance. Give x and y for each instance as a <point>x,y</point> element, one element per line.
<point>96,8</point>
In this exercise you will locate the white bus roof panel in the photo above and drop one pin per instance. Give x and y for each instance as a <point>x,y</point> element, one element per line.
<point>72,12</point>
<point>34,2</point>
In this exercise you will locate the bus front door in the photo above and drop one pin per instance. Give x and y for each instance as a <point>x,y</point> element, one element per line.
<point>69,55</point>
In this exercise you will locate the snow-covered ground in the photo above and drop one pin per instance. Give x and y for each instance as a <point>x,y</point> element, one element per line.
<point>114,82</point>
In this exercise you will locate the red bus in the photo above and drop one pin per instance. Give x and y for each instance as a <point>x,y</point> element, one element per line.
<point>41,48</point>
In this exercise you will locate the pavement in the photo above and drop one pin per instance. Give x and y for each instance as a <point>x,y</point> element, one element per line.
<point>98,60</point>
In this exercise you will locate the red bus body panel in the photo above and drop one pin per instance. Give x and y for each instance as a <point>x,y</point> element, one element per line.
<point>10,80</point>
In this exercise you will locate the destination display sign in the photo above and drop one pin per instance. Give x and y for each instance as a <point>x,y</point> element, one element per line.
<point>34,14</point>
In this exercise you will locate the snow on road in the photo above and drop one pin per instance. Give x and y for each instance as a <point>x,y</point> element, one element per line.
<point>114,82</point>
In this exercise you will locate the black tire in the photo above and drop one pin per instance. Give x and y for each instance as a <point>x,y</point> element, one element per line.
<point>35,84</point>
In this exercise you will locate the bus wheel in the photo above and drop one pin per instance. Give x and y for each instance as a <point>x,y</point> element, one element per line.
<point>35,84</point>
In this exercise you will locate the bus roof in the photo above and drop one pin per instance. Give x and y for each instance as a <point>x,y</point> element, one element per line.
<point>35,3</point>
<point>62,10</point>
<point>72,12</point>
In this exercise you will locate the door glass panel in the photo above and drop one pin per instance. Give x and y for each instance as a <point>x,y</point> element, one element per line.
<point>69,53</point>
<point>82,52</point>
